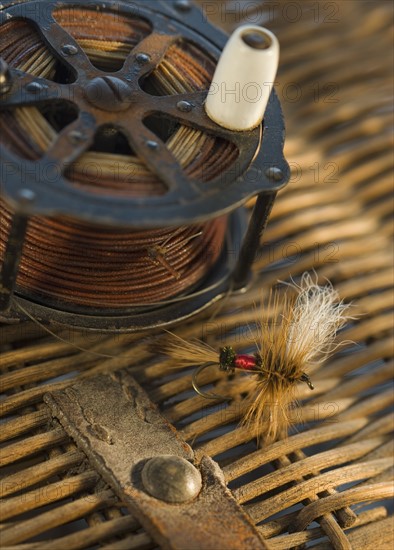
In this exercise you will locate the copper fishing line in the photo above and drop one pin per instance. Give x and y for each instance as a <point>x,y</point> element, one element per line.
<point>79,264</point>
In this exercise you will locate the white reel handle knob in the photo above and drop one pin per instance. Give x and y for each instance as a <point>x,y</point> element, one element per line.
<point>243,79</point>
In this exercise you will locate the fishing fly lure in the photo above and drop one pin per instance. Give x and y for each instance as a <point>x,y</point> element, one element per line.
<point>295,333</point>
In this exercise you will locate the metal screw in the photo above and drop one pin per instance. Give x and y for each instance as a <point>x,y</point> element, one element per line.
<point>274,173</point>
<point>34,87</point>
<point>5,77</point>
<point>182,5</point>
<point>143,58</point>
<point>184,106</point>
<point>171,478</point>
<point>152,145</point>
<point>109,93</point>
<point>69,49</point>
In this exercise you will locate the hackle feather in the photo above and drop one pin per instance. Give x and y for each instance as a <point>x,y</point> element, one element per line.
<point>300,335</point>
<point>296,332</point>
<point>189,353</point>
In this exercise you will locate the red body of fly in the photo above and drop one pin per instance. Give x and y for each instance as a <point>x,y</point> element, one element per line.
<point>246,362</point>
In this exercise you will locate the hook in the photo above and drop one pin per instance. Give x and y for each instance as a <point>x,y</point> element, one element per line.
<point>197,387</point>
<point>305,378</point>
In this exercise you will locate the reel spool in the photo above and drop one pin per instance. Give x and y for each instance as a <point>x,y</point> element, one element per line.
<point>119,195</point>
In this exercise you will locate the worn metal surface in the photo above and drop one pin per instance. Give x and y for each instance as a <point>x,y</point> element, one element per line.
<point>113,421</point>
<point>171,478</point>
<point>120,100</point>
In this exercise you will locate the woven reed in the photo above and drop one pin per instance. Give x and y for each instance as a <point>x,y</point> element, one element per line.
<point>328,482</point>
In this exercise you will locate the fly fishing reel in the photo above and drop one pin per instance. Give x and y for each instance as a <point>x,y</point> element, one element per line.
<point>120,196</point>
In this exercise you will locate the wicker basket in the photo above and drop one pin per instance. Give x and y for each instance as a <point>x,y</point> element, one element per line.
<point>329,483</point>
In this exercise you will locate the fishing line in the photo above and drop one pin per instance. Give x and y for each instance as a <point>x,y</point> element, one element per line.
<point>287,349</point>
<point>57,337</point>
<point>122,208</point>
<point>81,265</point>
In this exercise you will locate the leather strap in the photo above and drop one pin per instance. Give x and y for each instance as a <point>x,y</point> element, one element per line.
<point>112,420</point>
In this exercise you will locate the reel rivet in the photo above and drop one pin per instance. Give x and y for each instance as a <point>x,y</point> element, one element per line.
<point>69,49</point>
<point>183,5</point>
<point>143,58</point>
<point>26,195</point>
<point>5,77</point>
<point>34,87</point>
<point>76,137</point>
<point>274,173</point>
<point>152,145</point>
<point>184,106</point>
<point>171,478</point>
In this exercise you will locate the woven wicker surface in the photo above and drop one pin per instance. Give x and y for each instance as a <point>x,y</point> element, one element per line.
<point>330,482</point>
